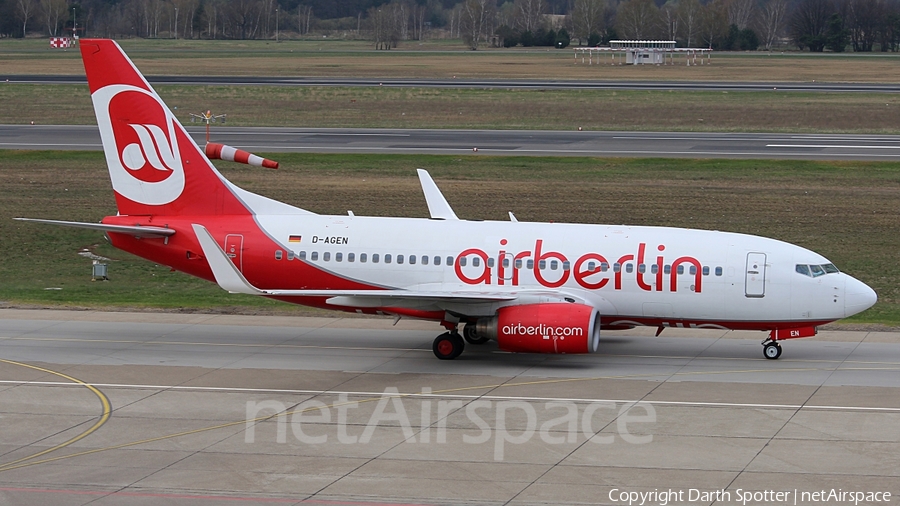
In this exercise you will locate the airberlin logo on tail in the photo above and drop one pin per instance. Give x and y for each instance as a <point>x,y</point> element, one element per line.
<point>142,152</point>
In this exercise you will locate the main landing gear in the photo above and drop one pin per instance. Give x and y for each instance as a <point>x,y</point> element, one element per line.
<point>451,344</point>
<point>448,345</point>
<point>771,349</point>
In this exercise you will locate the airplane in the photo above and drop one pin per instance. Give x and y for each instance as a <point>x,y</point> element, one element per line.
<point>531,287</point>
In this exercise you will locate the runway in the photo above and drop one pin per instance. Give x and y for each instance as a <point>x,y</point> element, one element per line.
<point>135,408</point>
<point>495,142</point>
<point>546,84</point>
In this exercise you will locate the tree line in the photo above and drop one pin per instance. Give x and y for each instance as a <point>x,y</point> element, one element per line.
<point>814,25</point>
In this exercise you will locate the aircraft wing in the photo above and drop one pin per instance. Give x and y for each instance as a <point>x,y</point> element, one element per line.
<point>230,278</point>
<point>438,207</point>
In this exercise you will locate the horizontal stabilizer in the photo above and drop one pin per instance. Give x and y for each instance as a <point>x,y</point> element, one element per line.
<point>136,231</point>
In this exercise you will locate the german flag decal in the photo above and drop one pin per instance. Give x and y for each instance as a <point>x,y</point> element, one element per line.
<point>294,238</point>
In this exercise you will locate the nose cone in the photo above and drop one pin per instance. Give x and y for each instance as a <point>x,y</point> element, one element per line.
<point>858,298</point>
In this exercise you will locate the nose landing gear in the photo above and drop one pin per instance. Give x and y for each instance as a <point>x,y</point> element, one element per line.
<point>771,349</point>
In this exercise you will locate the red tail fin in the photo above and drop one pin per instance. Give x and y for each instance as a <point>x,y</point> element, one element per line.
<point>155,167</point>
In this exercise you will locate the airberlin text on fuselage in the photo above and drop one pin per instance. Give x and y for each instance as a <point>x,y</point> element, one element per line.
<point>585,270</point>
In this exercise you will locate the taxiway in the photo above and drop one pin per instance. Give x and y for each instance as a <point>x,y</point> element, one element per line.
<point>135,408</point>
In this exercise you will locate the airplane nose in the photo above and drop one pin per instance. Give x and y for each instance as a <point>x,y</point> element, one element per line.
<point>858,298</point>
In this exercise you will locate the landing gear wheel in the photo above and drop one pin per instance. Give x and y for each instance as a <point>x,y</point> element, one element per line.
<point>448,346</point>
<point>471,336</point>
<point>772,350</point>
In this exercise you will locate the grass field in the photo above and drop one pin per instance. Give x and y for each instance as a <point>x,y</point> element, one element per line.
<point>439,59</point>
<point>484,109</point>
<point>846,211</point>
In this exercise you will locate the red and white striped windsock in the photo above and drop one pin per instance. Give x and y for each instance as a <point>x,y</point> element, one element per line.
<point>222,152</point>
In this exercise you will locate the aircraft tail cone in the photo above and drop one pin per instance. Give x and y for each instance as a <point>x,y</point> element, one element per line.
<point>216,151</point>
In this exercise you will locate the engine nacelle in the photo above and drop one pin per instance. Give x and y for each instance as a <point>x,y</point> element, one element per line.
<point>544,328</point>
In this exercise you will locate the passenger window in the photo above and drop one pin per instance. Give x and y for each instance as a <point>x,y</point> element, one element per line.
<point>412,260</point>
<point>542,264</point>
<point>362,257</point>
<point>290,255</point>
<point>351,257</point>
<point>617,267</point>
<point>476,261</point>
<point>399,259</point>
<point>278,254</point>
<point>604,266</point>
<point>490,262</point>
<point>680,270</point>
<point>693,270</point>
<point>553,265</point>
<point>462,261</point>
<point>437,260</point>
<point>303,255</point>
<point>338,257</point>
<point>518,263</point>
<point>315,255</point>
<point>505,263</point>
<point>424,259</point>
<point>802,269</point>
<point>591,266</point>
<point>718,271</point>
<point>326,256</point>
<point>706,270</point>
<point>642,268</point>
<point>816,270</point>
<point>629,268</point>
<point>449,261</point>
<point>529,264</point>
<point>654,269</point>
<point>375,258</point>
<point>387,258</point>
<point>667,269</point>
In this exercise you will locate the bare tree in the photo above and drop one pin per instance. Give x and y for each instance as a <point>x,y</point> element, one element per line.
<point>587,18</point>
<point>863,19</point>
<point>713,22</point>
<point>25,9</point>
<point>740,13</point>
<point>529,14</point>
<point>689,13</point>
<point>637,19</point>
<point>304,18</point>
<point>668,15</point>
<point>809,22</point>
<point>56,13</point>
<point>772,21</point>
<point>475,21</point>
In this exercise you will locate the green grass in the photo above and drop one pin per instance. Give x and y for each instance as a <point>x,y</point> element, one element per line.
<point>845,211</point>
<point>379,107</point>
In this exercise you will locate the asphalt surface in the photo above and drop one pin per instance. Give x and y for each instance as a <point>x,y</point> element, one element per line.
<point>494,142</point>
<point>483,83</point>
<point>123,408</point>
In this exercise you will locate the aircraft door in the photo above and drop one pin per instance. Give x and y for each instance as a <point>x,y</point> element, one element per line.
<point>755,280</point>
<point>234,246</point>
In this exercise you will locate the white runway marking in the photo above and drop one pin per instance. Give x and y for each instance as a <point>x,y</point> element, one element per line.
<point>455,396</point>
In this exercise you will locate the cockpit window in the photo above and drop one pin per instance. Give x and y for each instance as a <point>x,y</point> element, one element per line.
<point>815,271</point>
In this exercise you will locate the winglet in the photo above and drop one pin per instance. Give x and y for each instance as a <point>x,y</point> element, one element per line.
<point>227,275</point>
<point>437,204</point>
